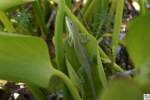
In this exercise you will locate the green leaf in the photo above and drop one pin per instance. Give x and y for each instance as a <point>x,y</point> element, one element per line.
<point>25,59</point>
<point>6,4</point>
<point>122,90</point>
<point>137,40</point>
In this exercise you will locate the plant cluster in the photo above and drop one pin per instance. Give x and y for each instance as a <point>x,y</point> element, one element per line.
<point>77,64</point>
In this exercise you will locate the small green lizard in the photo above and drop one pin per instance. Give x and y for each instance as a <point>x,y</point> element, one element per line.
<point>75,37</point>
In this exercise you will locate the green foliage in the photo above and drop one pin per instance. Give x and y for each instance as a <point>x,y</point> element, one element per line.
<point>98,9</point>
<point>40,20</point>
<point>117,25</point>
<point>122,90</point>
<point>23,23</point>
<point>75,78</point>
<point>21,54</point>
<point>137,40</point>
<point>17,55</point>
<point>58,39</point>
<point>5,4</point>
<point>79,59</point>
<point>3,17</point>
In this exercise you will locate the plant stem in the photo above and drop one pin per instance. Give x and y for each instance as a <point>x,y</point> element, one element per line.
<point>115,66</point>
<point>69,3</point>
<point>59,44</point>
<point>8,25</point>
<point>142,4</point>
<point>106,59</point>
<point>101,71</point>
<point>58,40</point>
<point>117,25</point>
<point>112,7</point>
<point>89,10</point>
<point>40,18</point>
<point>68,83</point>
<point>84,9</point>
<point>45,8</point>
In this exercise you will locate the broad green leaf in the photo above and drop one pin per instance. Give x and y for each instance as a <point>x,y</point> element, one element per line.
<point>138,39</point>
<point>6,4</point>
<point>143,79</point>
<point>25,59</point>
<point>122,90</point>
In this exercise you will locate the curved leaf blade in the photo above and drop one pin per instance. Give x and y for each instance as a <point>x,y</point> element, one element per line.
<point>6,4</point>
<point>24,58</point>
